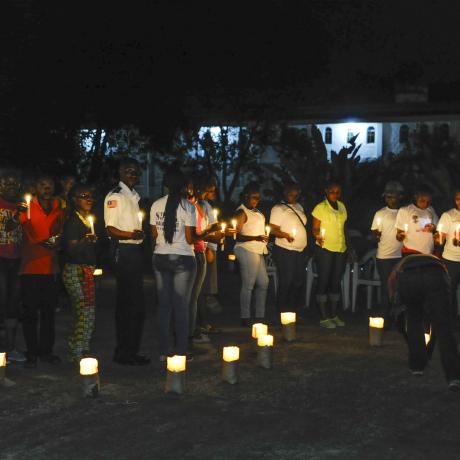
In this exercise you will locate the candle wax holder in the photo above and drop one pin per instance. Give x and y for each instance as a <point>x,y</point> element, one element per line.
<point>230,372</point>
<point>375,336</point>
<point>175,382</point>
<point>265,357</point>
<point>289,332</point>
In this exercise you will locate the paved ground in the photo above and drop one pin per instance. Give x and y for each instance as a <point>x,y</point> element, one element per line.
<point>328,396</point>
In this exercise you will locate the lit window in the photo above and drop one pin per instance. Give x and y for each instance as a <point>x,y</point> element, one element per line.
<point>370,135</point>
<point>350,136</point>
<point>403,134</point>
<point>328,136</point>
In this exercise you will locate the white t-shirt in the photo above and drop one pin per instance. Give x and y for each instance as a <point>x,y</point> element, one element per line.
<point>287,220</point>
<point>449,221</point>
<point>416,219</point>
<point>254,226</point>
<point>121,208</point>
<point>389,247</point>
<point>185,217</point>
<point>208,209</point>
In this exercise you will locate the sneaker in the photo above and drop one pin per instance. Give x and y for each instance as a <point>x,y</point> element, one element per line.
<point>201,338</point>
<point>454,385</point>
<point>16,356</point>
<point>210,329</point>
<point>417,373</point>
<point>327,323</point>
<point>338,321</point>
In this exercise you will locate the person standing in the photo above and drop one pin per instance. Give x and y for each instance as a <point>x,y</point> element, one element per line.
<point>39,270</point>
<point>448,233</point>
<point>329,218</point>
<point>10,259</point>
<point>79,246</point>
<point>288,224</point>
<point>121,217</point>
<point>416,224</point>
<point>250,248</point>
<point>389,248</point>
<point>422,285</point>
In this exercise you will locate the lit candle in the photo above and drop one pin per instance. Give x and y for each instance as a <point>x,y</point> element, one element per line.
<point>175,375</point>
<point>91,224</point>
<point>2,367</point>
<point>440,233</point>
<point>375,331</point>
<point>140,217</point>
<point>28,198</point>
<point>215,213</point>
<point>265,340</point>
<point>176,363</point>
<point>427,338</point>
<point>89,371</point>
<point>231,354</point>
<point>323,233</point>
<point>267,230</point>
<point>259,329</point>
<point>288,320</point>
<point>97,272</point>
<point>406,228</point>
<point>232,257</point>
<point>234,228</point>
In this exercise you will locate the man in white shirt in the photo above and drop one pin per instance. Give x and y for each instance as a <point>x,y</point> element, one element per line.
<point>123,226</point>
<point>384,231</point>
<point>416,224</point>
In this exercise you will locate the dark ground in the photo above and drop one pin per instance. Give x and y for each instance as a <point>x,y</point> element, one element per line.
<point>329,395</point>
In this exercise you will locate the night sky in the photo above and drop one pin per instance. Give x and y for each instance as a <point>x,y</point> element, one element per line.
<point>71,63</point>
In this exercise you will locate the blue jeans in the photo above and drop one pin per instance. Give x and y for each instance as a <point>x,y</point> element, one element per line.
<point>174,275</point>
<point>196,311</point>
<point>253,273</point>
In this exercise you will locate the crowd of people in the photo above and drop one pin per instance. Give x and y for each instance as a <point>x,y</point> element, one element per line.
<point>48,244</point>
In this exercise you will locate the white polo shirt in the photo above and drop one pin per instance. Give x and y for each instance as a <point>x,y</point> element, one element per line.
<point>449,220</point>
<point>285,218</point>
<point>416,219</point>
<point>121,208</point>
<point>389,247</point>
<point>185,217</point>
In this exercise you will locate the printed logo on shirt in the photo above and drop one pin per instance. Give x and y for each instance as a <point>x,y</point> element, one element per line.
<point>112,203</point>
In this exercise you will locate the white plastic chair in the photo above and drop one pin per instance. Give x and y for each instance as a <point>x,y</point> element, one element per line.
<point>364,273</point>
<point>271,269</point>
<point>312,274</point>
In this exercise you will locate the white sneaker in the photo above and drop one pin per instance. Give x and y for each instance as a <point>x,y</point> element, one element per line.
<point>15,355</point>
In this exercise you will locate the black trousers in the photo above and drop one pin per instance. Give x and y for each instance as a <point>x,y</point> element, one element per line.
<point>39,298</point>
<point>454,272</point>
<point>290,267</point>
<point>331,266</point>
<point>426,294</point>
<point>385,267</point>
<point>130,305</point>
<point>9,288</point>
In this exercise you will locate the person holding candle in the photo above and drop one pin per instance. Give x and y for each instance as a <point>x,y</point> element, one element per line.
<point>289,252</point>
<point>79,245</point>
<point>173,227</point>
<point>448,235</point>
<point>389,248</point>
<point>196,191</point>
<point>121,208</point>
<point>416,224</point>
<point>39,270</point>
<point>329,230</point>
<point>250,248</point>
<point>210,289</point>
<point>10,259</point>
